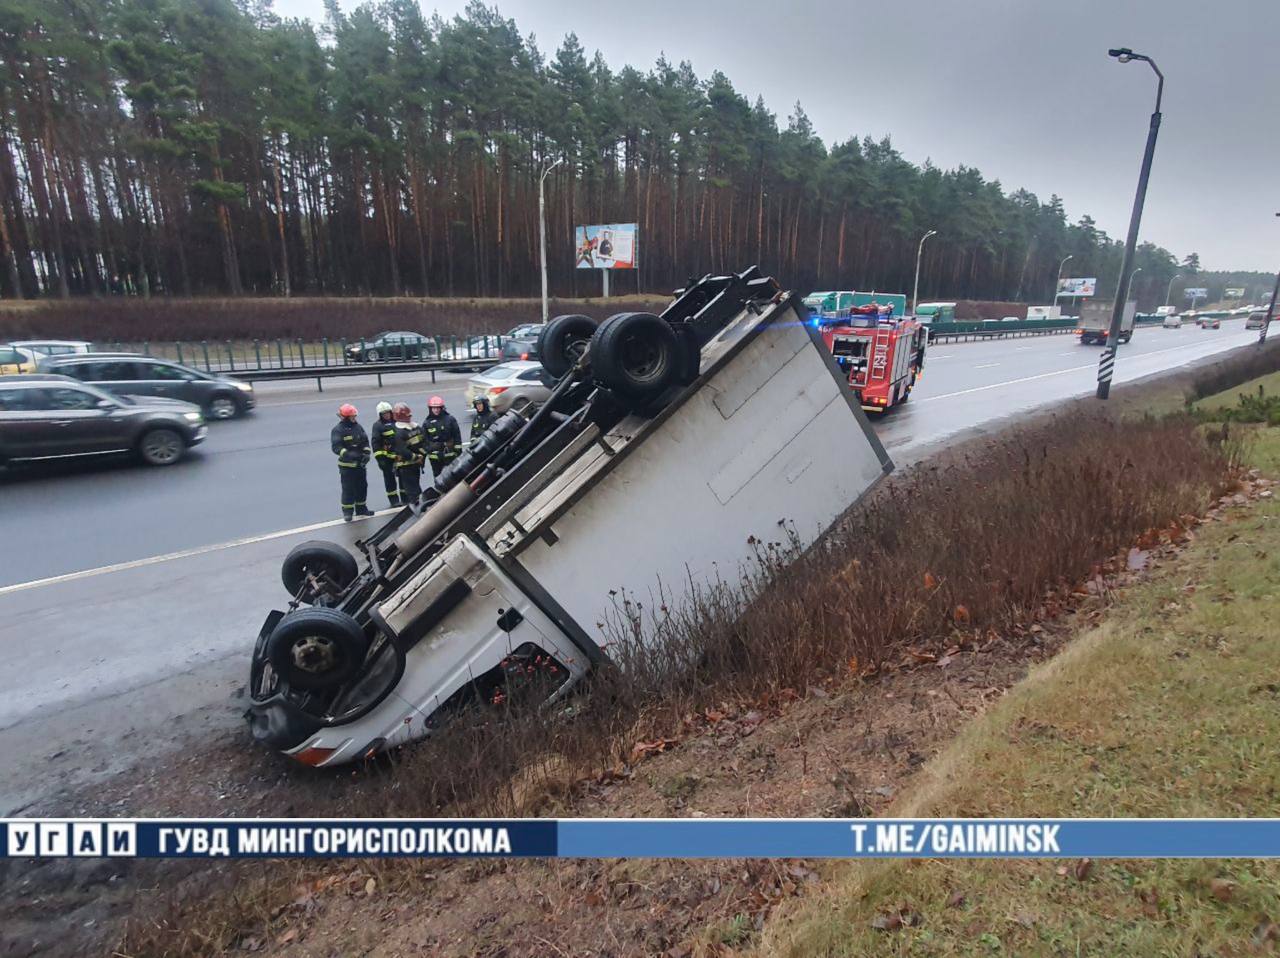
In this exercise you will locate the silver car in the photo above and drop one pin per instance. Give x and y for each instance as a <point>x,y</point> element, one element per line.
<point>509,385</point>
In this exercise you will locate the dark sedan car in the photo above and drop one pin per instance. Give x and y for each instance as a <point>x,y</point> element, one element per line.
<point>405,345</point>
<point>221,397</point>
<point>53,417</point>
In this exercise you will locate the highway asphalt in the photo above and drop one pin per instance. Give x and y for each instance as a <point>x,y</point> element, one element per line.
<point>130,597</point>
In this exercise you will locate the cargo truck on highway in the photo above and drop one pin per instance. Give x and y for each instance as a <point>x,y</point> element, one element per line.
<point>1095,322</point>
<point>672,447</point>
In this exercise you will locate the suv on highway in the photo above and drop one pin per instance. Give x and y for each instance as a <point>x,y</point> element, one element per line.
<point>1257,319</point>
<point>523,346</point>
<point>52,417</point>
<point>221,397</point>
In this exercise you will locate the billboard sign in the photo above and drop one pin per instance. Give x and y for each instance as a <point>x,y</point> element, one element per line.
<point>1234,292</point>
<point>610,246</point>
<point>1195,292</point>
<point>1081,286</point>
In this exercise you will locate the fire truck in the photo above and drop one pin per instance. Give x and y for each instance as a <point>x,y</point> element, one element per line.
<point>880,354</point>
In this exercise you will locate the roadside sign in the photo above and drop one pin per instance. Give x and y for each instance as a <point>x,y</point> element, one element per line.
<point>1079,286</point>
<point>609,246</point>
<point>1195,292</point>
<point>1233,292</point>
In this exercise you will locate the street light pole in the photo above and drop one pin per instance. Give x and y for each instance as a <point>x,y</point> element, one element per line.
<point>1131,276</point>
<point>915,291</point>
<point>1058,285</point>
<point>1271,309</point>
<point>1106,364</point>
<point>542,229</point>
<point>1169,292</point>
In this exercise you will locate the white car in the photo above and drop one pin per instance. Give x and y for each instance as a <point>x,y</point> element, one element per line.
<point>55,347</point>
<point>1172,321</point>
<point>474,347</point>
<point>509,385</point>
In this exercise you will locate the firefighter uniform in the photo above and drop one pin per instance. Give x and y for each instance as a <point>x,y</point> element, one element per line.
<point>484,418</point>
<point>408,457</point>
<point>384,452</point>
<point>351,445</point>
<point>444,437</point>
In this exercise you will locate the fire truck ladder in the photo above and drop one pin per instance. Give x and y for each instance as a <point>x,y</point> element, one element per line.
<point>880,353</point>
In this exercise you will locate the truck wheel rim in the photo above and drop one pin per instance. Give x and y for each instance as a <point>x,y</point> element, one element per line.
<point>163,446</point>
<point>644,359</point>
<point>315,654</point>
<point>222,408</point>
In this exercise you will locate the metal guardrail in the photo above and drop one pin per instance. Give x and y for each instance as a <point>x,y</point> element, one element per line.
<point>281,359</point>
<point>320,373</point>
<point>997,329</point>
<point>244,356</point>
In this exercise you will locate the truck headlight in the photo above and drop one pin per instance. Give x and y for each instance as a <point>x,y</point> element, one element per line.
<point>247,387</point>
<point>192,416</point>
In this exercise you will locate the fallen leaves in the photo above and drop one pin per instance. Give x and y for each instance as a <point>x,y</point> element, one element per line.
<point>961,615</point>
<point>642,750</point>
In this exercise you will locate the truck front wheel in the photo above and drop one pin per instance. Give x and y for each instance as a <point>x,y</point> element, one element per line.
<point>317,569</point>
<point>316,649</point>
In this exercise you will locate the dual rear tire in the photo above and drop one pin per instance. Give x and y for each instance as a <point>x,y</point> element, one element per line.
<point>636,356</point>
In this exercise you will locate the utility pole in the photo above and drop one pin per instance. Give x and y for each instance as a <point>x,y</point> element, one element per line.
<point>915,291</point>
<point>1106,365</point>
<point>542,229</point>
<point>1271,309</point>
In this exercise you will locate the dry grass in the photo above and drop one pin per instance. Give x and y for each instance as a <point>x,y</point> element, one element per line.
<point>946,554</point>
<point>1163,710</point>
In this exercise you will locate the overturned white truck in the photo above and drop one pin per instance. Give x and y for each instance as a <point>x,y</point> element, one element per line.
<point>668,446</point>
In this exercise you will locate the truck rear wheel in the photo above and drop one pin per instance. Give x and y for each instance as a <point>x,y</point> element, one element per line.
<point>563,341</point>
<point>316,649</point>
<point>636,356</point>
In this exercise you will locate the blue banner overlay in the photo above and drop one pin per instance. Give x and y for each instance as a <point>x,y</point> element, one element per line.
<point>642,838</point>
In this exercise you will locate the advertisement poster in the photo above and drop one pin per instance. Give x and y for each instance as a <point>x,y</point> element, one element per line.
<point>610,246</point>
<point>1082,286</point>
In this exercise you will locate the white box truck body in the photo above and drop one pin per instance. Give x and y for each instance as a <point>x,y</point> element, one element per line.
<point>1095,322</point>
<point>766,442</point>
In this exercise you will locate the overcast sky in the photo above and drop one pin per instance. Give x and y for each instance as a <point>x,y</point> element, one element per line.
<point>1021,89</point>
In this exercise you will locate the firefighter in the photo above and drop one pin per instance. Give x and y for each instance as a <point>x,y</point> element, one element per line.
<point>384,451</point>
<point>351,446</point>
<point>444,437</point>
<point>408,454</point>
<point>484,418</point>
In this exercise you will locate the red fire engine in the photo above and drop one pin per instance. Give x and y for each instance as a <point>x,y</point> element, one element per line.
<point>882,355</point>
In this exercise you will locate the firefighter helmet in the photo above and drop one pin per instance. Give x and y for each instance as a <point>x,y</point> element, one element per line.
<point>384,406</point>
<point>347,411</point>
<point>435,402</point>
<point>402,412</point>
<point>481,401</point>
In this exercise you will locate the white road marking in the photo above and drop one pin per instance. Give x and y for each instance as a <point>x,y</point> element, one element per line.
<point>184,554</point>
<point>987,366</point>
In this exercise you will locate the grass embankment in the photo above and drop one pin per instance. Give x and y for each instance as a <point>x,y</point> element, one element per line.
<point>1168,708</point>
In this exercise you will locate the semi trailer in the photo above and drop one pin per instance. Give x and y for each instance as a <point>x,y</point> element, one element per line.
<point>670,449</point>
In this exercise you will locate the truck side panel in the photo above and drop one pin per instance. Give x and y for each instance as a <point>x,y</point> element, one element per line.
<point>773,439</point>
